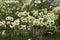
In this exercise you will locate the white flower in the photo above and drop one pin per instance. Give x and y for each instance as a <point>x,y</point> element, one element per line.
<point>9,18</point>
<point>1,23</point>
<point>23,14</point>
<point>3,32</point>
<point>45,23</point>
<point>24,20</point>
<point>35,13</point>
<point>56,9</point>
<point>52,16</point>
<point>29,39</point>
<point>4,7</point>
<point>16,22</point>
<point>45,11</point>
<point>8,22</point>
<point>27,2</point>
<point>37,1</point>
<point>56,16</point>
<point>45,16</point>
<point>36,22</point>
<point>11,26</point>
<point>51,22</point>
<point>23,27</point>
<point>4,22</point>
<point>44,0</point>
<point>41,14</point>
<point>29,27</point>
<point>27,13</point>
<point>30,19</point>
<point>19,14</point>
<point>41,19</point>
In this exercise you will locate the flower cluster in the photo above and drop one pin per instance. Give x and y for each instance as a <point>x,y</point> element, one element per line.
<point>26,20</point>
<point>12,16</point>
